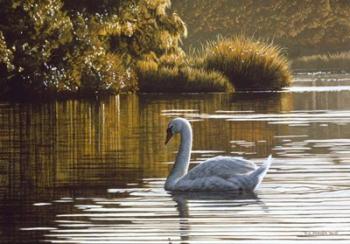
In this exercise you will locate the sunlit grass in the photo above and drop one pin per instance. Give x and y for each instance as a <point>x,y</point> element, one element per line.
<point>249,64</point>
<point>180,79</point>
<point>237,63</point>
<point>336,61</point>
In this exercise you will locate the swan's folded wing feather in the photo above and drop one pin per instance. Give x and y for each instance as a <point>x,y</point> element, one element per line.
<point>223,167</point>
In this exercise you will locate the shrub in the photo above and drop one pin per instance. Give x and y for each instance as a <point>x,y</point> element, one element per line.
<point>250,65</point>
<point>56,47</point>
<point>6,55</point>
<point>180,79</point>
<point>104,74</point>
<point>336,61</point>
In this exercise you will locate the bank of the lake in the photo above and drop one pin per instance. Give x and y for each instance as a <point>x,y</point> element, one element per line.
<point>99,51</point>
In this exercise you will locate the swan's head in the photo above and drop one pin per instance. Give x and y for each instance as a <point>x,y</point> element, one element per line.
<point>175,126</point>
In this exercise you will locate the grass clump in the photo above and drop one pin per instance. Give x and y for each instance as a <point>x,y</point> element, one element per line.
<point>249,64</point>
<point>154,78</point>
<point>323,62</point>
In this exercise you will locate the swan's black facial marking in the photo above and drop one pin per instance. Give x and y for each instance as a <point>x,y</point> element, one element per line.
<point>169,130</point>
<point>169,134</point>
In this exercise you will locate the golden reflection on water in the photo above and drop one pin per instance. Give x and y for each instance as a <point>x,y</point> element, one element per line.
<point>72,169</point>
<point>120,139</point>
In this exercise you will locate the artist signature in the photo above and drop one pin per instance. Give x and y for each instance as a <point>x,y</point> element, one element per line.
<point>320,233</point>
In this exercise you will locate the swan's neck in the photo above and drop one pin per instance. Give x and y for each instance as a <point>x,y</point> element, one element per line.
<point>183,156</point>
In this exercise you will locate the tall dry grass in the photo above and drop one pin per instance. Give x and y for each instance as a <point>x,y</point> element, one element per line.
<point>323,62</point>
<point>249,64</point>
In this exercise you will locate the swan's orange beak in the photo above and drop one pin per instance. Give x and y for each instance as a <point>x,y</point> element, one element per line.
<point>169,134</point>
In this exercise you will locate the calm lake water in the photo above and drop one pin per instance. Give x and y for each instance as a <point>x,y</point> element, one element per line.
<point>93,172</point>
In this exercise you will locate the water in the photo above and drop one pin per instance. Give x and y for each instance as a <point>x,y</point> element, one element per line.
<point>93,172</point>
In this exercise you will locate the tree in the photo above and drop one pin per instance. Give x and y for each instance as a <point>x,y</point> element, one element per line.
<point>34,30</point>
<point>83,46</point>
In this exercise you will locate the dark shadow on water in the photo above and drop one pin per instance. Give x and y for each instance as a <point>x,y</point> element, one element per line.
<point>264,96</point>
<point>225,195</point>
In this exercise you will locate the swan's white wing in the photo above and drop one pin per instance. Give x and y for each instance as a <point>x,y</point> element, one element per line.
<point>223,173</point>
<point>222,167</point>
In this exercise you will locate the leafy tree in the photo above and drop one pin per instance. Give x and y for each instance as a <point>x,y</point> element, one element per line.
<point>35,30</point>
<point>6,55</point>
<point>126,30</point>
<point>52,46</point>
<point>137,28</point>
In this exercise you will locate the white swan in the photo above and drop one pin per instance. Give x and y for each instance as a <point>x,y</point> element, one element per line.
<point>215,174</point>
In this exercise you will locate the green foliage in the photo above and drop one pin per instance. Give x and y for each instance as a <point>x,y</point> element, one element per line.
<point>250,65</point>
<point>135,28</point>
<point>6,56</point>
<point>90,47</point>
<point>56,46</point>
<point>180,79</point>
<point>91,66</point>
<point>303,27</point>
<point>335,62</point>
<point>35,31</point>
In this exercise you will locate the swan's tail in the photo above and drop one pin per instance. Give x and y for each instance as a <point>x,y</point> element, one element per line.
<point>257,175</point>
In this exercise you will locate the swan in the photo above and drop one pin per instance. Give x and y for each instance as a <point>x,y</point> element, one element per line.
<point>221,173</point>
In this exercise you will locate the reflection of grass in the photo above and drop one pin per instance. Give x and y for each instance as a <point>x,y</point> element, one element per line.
<point>250,65</point>
<point>180,79</point>
<point>337,61</point>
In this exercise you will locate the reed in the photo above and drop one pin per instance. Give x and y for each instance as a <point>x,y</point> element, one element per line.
<point>249,64</point>
<point>336,61</point>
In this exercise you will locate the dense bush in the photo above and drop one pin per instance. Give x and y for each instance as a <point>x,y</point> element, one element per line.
<point>249,64</point>
<point>33,31</point>
<point>180,79</point>
<point>68,47</point>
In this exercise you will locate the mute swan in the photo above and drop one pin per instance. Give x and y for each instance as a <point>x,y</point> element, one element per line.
<point>215,174</point>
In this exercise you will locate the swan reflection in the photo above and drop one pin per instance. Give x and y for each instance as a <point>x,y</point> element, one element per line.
<point>204,206</point>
